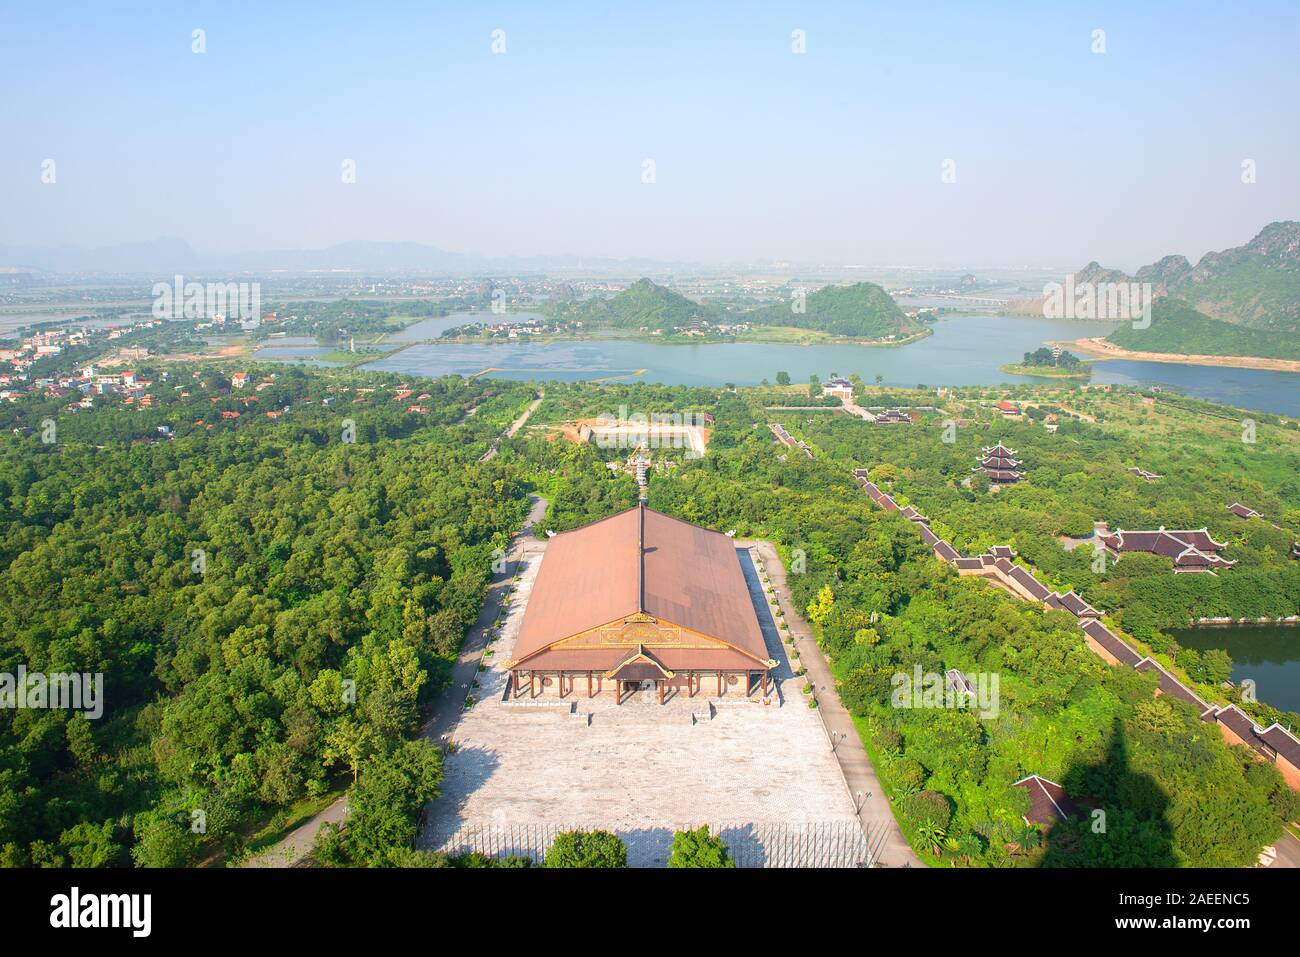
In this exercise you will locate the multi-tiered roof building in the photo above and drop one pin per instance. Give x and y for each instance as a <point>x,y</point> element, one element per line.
<point>1000,464</point>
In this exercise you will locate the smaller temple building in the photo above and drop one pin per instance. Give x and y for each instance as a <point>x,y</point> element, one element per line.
<point>1000,464</point>
<point>1191,550</point>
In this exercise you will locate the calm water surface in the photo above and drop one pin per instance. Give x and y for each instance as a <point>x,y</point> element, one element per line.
<point>1267,654</point>
<point>964,350</point>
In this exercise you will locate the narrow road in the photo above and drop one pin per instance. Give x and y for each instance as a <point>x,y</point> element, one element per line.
<point>1288,852</point>
<point>297,844</point>
<point>515,426</point>
<point>875,814</point>
<point>445,711</point>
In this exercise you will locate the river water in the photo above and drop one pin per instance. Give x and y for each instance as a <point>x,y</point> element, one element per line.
<point>964,350</point>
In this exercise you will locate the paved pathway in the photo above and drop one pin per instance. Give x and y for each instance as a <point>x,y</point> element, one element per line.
<point>876,815</point>
<point>297,844</point>
<point>451,704</point>
<point>764,775</point>
<point>1288,852</point>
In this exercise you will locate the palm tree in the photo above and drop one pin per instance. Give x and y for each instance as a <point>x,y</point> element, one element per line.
<point>932,834</point>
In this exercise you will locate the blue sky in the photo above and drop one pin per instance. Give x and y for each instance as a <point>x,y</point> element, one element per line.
<point>1061,155</point>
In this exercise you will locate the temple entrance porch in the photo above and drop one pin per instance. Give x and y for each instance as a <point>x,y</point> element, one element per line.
<point>622,684</point>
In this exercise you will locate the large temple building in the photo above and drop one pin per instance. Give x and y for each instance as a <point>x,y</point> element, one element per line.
<point>640,602</point>
<point>1192,550</point>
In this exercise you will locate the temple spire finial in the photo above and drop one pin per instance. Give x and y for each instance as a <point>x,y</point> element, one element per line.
<point>640,554</point>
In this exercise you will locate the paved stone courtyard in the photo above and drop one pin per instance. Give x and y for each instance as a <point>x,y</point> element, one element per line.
<point>639,769</point>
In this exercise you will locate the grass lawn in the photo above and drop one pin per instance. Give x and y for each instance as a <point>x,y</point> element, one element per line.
<point>1046,372</point>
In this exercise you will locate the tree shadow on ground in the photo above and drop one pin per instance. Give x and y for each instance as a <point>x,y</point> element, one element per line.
<point>1122,819</point>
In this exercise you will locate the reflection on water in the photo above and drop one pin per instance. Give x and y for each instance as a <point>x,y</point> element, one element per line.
<point>435,326</point>
<point>964,350</point>
<point>1269,655</point>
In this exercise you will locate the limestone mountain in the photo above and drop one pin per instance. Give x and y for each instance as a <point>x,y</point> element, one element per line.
<point>1179,329</point>
<point>862,310</point>
<point>643,305</point>
<point>1165,274</point>
<point>1256,285</point>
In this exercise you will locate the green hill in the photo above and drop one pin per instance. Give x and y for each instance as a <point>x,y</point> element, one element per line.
<point>1178,328</point>
<point>643,305</point>
<point>863,309</point>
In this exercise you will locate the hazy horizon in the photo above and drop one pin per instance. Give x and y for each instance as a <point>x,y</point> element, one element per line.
<point>761,154</point>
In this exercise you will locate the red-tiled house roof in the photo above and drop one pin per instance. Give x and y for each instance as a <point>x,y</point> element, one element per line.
<point>1117,647</point>
<point>1048,802</point>
<point>1172,686</point>
<point>1025,578</point>
<point>946,551</point>
<point>1283,742</point>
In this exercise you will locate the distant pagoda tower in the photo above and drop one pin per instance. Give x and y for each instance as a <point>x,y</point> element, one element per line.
<point>642,464</point>
<point>1000,464</point>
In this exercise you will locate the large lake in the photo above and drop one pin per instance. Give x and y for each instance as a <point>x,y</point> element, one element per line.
<point>1269,655</point>
<point>964,350</point>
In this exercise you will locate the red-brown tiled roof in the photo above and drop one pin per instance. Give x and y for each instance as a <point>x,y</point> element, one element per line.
<point>592,576</point>
<point>1048,802</point>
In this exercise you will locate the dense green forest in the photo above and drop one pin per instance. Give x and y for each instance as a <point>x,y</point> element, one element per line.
<point>643,305</point>
<point>271,604</point>
<point>1043,357</point>
<point>1178,328</point>
<point>269,600</point>
<point>862,310</point>
<point>1079,475</point>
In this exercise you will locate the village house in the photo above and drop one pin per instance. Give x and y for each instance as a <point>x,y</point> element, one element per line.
<point>1243,511</point>
<point>1048,802</point>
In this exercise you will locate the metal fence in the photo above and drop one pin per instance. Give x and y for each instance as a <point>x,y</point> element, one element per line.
<point>769,844</point>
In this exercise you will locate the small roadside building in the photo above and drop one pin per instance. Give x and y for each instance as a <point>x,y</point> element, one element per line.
<point>640,602</point>
<point>1048,802</point>
<point>842,389</point>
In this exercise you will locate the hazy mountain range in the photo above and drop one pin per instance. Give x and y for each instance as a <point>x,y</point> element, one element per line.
<point>169,255</point>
